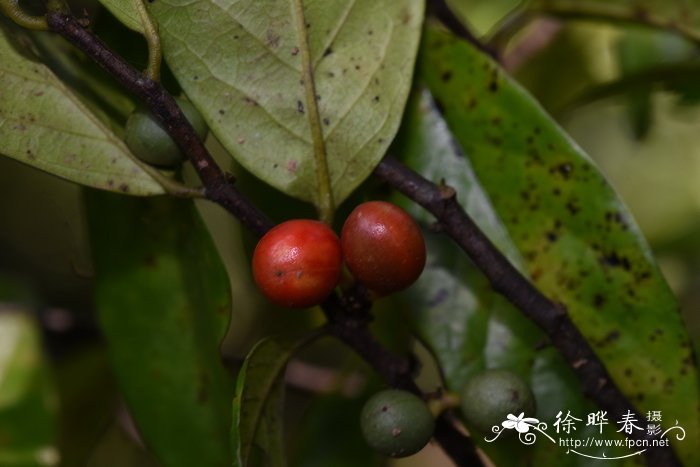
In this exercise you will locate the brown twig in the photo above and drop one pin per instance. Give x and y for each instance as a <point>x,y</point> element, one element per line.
<point>162,105</point>
<point>551,317</point>
<point>440,10</point>
<point>348,316</point>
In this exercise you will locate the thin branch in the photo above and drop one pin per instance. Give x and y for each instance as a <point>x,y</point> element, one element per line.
<point>551,317</point>
<point>165,109</point>
<point>348,317</point>
<point>444,13</point>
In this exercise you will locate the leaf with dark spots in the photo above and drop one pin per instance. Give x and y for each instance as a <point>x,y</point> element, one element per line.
<point>455,311</point>
<point>259,55</point>
<point>61,135</point>
<point>598,252</point>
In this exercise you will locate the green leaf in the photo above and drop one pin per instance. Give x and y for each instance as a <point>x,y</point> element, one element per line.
<point>163,300</point>
<point>458,316</point>
<point>240,63</point>
<point>578,242</point>
<point>259,402</point>
<point>27,394</point>
<point>125,11</point>
<point>43,124</point>
<point>674,15</point>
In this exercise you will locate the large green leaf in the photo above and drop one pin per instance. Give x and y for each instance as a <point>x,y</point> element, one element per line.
<point>578,242</point>
<point>28,399</point>
<point>164,301</point>
<point>240,62</point>
<point>466,325</point>
<point>43,124</point>
<point>258,408</point>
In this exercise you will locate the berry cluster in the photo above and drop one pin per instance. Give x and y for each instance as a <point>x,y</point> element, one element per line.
<point>298,263</point>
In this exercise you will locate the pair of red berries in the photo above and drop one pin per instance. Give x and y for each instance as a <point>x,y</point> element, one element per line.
<point>298,263</point>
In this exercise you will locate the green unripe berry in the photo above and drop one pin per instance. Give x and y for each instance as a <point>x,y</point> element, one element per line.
<point>396,423</point>
<point>147,139</point>
<point>489,396</point>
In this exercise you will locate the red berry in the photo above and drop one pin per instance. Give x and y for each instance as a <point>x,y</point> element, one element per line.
<point>297,263</point>
<point>383,247</point>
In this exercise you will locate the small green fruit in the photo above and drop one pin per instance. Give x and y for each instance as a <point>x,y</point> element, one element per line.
<point>489,396</point>
<point>396,423</point>
<point>147,139</point>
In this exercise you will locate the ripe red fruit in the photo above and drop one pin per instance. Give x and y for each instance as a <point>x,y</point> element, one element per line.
<point>383,247</point>
<point>297,263</point>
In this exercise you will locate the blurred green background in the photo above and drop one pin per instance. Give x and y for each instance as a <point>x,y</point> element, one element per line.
<point>626,94</point>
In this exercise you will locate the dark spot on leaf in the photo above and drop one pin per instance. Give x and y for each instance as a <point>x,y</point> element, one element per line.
<point>380,141</point>
<point>556,192</point>
<point>222,111</point>
<point>330,74</point>
<point>551,236</point>
<point>151,261</point>
<point>327,52</point>
<point>250,101</point>
<point>274,166</point>
<point>357,67</point>
<point>446,76</point>
<point>124,188</point>
<point>326,121</point>
<point>370,32</point>
<point>572,207</point>
<point>564,169</point>
<point>496,120</point>
<point>599,300</point>
<point>472,103</point>
<point>385,408</point>
<point>493,85</point>
<point>375,99</point>
<point>609,338</point>
<point>628,372</point>
<point>236,37</point>
<point>300,107</point>
<point>537,130</point>
<point>614,260</point>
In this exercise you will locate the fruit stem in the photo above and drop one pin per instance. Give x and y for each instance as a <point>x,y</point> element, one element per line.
<point>12,10</point>
<point>446,401</point>
<point>150,32</point>
<point>325,202</point>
